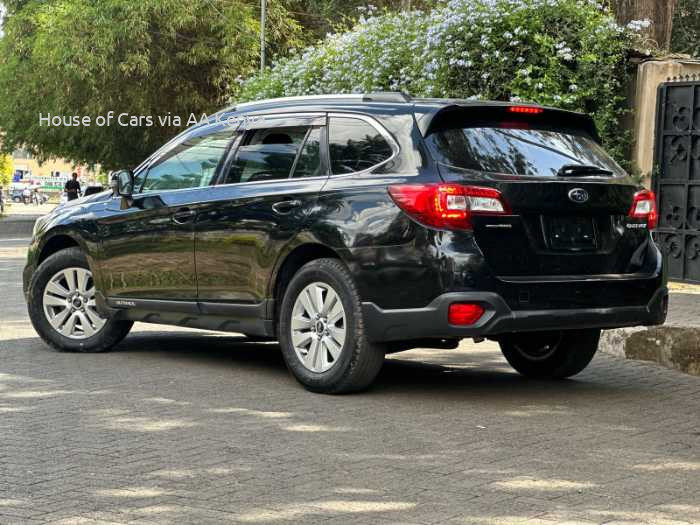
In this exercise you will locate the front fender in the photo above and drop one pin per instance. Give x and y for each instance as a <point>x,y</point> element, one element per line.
<point>59,230</point>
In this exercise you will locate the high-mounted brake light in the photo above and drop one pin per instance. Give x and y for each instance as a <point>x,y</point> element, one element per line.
<point>528,110</point>
<point>448,206</point>
<point>644,207</point>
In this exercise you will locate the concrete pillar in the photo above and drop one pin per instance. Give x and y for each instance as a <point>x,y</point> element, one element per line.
<point>649,76</point>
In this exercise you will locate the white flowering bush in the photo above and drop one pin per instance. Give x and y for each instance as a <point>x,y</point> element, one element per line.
<point>565,53</point>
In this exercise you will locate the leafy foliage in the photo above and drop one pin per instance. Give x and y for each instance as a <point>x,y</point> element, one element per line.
<point>5,171</point>
<point>565,53</point>
<point>320,17</point>
<point>686,28</point>
<point>149,57</point>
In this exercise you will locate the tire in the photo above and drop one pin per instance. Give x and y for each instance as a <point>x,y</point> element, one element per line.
<point>327,369</point>
<point>74,338</point>
<point>550,355</point>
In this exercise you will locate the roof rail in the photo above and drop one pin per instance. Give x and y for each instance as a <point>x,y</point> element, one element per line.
<point>381,96</point>
<point>348,96</point>
<point>386,96</point>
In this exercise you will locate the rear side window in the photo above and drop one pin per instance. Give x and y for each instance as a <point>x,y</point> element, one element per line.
<point>267,154</point>
<point>517,149</point>
<point>355,145</point>
<point>309,162</point>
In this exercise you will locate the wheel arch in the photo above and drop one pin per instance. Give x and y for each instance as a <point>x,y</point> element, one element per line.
<point>57,242</point>
<point>291,262</point>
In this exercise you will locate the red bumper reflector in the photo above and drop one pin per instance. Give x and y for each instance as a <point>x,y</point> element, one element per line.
<point>464,313</point>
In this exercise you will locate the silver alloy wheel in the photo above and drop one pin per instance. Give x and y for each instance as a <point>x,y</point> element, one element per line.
<point>318,327</point>
<point>69,304</point>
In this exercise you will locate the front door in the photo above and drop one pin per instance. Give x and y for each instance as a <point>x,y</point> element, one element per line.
<point>147,248</point>
<point>265,194</point>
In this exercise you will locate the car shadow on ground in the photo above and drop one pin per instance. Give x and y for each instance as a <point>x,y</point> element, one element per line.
<point>415,372</point>
<point>215,348</point>
<point>455,374</point>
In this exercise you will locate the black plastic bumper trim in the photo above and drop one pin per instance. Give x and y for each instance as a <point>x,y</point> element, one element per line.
<point>431,321</point>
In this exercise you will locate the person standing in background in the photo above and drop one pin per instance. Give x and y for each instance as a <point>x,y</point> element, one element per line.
<point>72,187</point>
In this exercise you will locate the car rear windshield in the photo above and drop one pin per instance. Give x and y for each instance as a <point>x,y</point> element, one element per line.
<point>518,149</point>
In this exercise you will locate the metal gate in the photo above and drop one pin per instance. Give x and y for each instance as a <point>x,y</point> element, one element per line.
<point>676,178</point>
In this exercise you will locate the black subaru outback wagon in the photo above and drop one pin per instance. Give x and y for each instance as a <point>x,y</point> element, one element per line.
<point>350,226</point>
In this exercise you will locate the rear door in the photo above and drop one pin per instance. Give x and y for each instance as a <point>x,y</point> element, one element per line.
<point>569,199</point>
<point>264,196</point>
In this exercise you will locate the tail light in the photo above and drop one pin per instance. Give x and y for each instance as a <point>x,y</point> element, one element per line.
<point>448,206</point>
<point>464,314</point>
<point>644,207</point>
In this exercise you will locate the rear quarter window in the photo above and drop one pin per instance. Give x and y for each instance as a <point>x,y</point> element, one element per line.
<point>355,145</point>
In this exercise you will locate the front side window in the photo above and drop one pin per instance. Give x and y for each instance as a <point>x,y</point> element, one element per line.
<point>355,145</point>
<point>190,164</point>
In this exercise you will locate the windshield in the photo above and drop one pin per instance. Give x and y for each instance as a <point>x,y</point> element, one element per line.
<point>518,150</point>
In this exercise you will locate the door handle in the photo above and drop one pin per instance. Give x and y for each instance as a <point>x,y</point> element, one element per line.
<point>285,207</point>
<point>183,216</point>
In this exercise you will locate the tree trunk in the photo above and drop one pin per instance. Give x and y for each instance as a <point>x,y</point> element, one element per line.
<point>659,12</point>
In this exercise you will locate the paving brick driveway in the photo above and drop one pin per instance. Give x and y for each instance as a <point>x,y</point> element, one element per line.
<point>179,426</point>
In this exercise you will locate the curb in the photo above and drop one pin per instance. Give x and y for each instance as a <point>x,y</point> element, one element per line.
<point>674,347</point>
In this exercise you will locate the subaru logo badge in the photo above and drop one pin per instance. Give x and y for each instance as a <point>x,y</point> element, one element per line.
<point>578,195</point>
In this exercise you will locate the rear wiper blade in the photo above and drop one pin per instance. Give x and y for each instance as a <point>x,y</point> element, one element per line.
<point>582,170</point>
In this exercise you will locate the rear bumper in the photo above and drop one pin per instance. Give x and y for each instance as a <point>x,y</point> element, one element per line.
<point>431,321</point>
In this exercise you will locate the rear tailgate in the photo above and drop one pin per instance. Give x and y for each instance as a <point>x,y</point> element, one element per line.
<point>548,234</point>
<point>563,221</point>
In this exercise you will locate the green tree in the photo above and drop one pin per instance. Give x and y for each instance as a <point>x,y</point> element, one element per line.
<point>147,57</point>
<point>686,28</point>
<point>5,171</point>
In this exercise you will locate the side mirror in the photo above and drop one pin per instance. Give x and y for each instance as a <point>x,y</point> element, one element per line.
<point>123,183</point>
